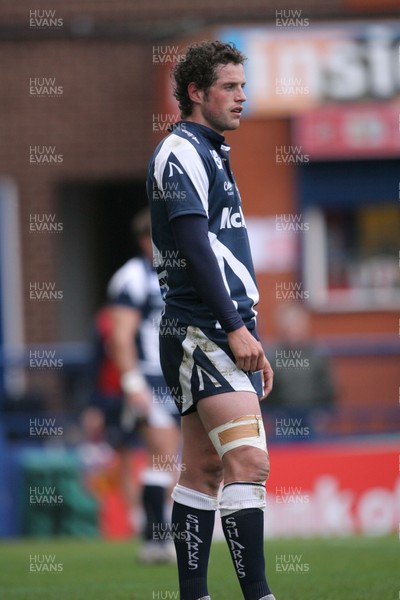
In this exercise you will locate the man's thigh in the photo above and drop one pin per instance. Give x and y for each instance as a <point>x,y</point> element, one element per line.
<point>201,466</point>
<point>220,409</point>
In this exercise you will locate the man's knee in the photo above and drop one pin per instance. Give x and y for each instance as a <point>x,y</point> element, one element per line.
<point>212,471</point>
<point>257,463</point>
<point>242,446</point>
<point>206,470</point>
<point>247,464</point>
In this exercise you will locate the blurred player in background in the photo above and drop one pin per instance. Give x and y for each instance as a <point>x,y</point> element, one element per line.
<point>129,334</point>
<point>211,356</point>
<point>304,387</point>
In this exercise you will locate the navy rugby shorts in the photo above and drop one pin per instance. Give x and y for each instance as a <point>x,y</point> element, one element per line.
<point>197,362</point>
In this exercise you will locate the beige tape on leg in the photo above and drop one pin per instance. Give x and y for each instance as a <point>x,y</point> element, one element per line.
<point>242,431</point>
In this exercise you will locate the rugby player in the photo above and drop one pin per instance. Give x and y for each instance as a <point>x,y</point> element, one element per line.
<point>210,352</point>
<point>135,307</point>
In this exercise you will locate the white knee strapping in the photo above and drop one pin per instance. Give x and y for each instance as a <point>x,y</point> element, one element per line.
<point>242,431</point>
<point>193,498</point>
<point>240,495</point>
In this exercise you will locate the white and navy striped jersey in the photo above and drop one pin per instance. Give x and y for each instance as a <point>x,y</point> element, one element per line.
<point>190,173</point>
<point>135,285</point>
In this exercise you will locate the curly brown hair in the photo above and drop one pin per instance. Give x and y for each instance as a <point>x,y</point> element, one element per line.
<point>199,67</point>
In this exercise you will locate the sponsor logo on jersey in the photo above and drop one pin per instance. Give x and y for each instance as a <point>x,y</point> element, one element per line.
<point>228,186</point>
<point>217,159</point>
<point>231,219</point>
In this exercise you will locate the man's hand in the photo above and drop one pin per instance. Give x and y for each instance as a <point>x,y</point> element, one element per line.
<point>137,398</point>
<point>246,349</point>
<point>136,409</point>
<point>250,356</point>
<point>139,402</point>
<point>268,378</point>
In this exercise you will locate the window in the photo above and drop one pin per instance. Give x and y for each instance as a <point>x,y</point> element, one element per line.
<point>351,257</point>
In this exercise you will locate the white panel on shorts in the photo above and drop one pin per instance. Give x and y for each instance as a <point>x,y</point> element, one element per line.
<point>194,338</point>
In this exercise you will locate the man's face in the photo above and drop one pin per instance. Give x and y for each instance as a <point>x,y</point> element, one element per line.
<point>221,107</point>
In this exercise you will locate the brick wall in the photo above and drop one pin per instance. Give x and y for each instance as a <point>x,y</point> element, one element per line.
<point>99,125</point>
<point>157,10</point>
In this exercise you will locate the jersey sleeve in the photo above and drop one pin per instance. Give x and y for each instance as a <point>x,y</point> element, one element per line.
<point>191,235</point>
<point>180,179</point>
<point>128,286</point>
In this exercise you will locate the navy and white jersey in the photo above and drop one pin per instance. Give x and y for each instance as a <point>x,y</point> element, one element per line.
<point>135,285</point>
<point>190,173</point>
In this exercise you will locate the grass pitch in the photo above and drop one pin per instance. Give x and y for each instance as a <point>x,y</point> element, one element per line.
<point>356,568</point>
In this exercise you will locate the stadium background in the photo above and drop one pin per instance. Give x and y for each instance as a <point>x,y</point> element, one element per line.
<point>107,109</point>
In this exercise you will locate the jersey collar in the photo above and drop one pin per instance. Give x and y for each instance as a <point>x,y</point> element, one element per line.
<point>213,136</point>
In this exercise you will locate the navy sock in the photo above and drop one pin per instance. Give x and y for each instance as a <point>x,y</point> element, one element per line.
<point>153,498</point>
<point>193,529</point>
<point>244,532</point>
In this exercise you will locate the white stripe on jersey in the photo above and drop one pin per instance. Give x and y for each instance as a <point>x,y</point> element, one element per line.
<point>190,160</point>
<point>195,337</point>
<point>224,254</point>
<point>132,279</point>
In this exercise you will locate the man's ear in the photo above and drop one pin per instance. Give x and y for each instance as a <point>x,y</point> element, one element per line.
<point>195,94</point>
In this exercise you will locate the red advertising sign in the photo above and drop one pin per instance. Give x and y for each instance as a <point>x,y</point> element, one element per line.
<point>333,489</point>
<point>351,131</point>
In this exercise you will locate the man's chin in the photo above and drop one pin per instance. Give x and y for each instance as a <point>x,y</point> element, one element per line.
<point>228,125</point>
<point>231,125</point>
